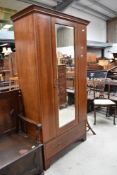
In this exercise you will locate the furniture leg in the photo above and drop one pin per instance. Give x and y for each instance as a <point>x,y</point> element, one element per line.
<point>89,127</point>
<point>94,115</point>
<point>114,117</point>
<point>107,112</point>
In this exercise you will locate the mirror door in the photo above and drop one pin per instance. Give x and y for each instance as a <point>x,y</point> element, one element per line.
<point>65,74</point>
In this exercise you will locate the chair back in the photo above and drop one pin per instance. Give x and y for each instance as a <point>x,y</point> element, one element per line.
<point>99,87</point>
<point>102,88</point>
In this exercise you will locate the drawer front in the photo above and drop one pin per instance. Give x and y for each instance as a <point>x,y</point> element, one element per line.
<point>64,140</point>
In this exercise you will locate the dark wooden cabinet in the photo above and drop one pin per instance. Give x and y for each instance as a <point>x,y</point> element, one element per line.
<point>35,38</point>
<point>62,84</point>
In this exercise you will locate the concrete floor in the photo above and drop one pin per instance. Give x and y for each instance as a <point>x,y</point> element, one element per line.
<point>96,156</point>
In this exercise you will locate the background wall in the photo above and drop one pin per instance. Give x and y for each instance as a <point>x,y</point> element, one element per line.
<point>96,30</point>
<point>5,34</point>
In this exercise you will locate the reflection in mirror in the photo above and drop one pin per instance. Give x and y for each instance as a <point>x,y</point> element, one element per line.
<point>65,73</point>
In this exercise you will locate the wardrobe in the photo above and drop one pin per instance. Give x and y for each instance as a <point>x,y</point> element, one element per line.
<point>46,39</point>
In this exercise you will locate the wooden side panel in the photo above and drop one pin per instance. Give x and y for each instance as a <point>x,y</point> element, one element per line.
<point>45,73</point>
<point>81,51</point>
<point>8,102</point>
<point>27,66</point>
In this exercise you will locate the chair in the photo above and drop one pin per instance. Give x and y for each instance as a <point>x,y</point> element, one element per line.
<point>89,127</point>
<point>19,153</point>
<point>101,97</point>
<point>1,77</point>
<point>90,96</point>
<point>13,83</point>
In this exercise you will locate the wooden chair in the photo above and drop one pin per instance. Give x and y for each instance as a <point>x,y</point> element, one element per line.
<point>101,98</point>
<point>90,128</point>
<point>90,96</point>
<point>19,153</point>
<point>13,83</point>
<point>1,77</point>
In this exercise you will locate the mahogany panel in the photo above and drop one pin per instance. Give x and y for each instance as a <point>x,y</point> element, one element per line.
<point>82,94</point>
<point>45,74</point>
<point>27,66</point>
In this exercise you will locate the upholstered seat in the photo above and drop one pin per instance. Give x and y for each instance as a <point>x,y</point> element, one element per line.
<point>104,102</point>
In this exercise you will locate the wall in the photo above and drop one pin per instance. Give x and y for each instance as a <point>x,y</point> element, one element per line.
<point>65,36</point>
<point>5,34</point>
<point>96,30</point>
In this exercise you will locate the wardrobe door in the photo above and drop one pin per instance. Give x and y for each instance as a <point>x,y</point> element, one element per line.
<point>64,67</point>
<point>45,75</point>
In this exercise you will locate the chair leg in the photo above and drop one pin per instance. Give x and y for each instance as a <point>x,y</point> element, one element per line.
<point>94,115</point>
<point>89,128</point>
<point>114,117</point>
<point>107,112</point>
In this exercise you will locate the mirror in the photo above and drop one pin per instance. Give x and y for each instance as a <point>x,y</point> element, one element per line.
<point>65,73</point>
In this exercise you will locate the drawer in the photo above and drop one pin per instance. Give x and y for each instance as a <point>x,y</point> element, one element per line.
<point>62,75</point>
<point>59,143</point>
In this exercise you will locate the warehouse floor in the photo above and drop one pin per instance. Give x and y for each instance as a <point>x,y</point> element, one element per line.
<point>96,156</point>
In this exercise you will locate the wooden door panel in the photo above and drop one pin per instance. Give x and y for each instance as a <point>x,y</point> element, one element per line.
<point>82,95</point>
<point>45,73</point>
